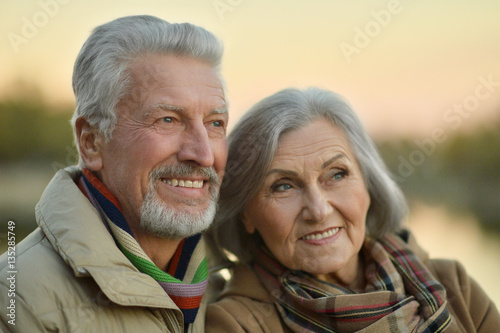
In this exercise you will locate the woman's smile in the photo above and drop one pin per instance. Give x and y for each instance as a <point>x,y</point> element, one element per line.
<point>321,237</point>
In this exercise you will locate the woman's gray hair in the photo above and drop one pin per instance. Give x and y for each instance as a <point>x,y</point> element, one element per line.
<point>252,145</point>
<point>100,75</point>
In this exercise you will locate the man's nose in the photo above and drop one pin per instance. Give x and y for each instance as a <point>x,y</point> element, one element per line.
<point>195,146</point>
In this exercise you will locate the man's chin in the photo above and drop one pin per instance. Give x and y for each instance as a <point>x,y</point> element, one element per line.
<point>176,221</point>
<point>177,202</point>
<point>180,231</point>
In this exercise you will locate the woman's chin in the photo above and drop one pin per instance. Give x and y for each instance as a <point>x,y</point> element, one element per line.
<point>326,273</point>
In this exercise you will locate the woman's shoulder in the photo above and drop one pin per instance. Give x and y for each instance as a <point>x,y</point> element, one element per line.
<point>467,301</point>
<point>242,314</point>
<point>245,283</point>
<point>243,306</point>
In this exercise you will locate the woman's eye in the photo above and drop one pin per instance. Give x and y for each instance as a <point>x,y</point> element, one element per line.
<point>281,187</point>
<point>337,175</point>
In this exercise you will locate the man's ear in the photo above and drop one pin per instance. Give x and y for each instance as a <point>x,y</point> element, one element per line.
<point>247,222</point>
<point>90,142</point>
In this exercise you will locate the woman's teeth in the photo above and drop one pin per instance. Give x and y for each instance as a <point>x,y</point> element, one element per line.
<point>184,183</point>
<point>325,234</point>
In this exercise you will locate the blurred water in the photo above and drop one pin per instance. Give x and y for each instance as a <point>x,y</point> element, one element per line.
<point>444,235</point>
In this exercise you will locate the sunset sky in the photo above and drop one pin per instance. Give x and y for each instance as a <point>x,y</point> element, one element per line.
<point>404,65</point>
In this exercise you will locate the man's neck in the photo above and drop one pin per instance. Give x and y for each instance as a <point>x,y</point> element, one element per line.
<point>159,250</point>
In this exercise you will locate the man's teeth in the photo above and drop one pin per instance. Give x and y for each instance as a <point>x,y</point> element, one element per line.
<point>184,183</point>
<point>325,234</point>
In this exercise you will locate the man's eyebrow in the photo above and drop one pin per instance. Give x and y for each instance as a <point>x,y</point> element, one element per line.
<point>164,107</point>
<point>180,109</point>
<point>168,107</point>
<point>222,109</point>
<point>333,159</point>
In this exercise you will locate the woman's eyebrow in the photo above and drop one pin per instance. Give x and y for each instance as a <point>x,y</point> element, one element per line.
<point>295,174</point>
<point>283,172</point>
<point>333,159</point>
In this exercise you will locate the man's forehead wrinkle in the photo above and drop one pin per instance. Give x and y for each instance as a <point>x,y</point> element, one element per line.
<point>146,76</point>
<point>145,82</point>
<point>221,109</point>
<point>212,84</point>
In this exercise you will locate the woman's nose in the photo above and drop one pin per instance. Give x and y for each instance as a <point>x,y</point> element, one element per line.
<point>316,205</point>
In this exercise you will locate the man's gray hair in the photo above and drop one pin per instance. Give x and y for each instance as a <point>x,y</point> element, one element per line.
<point>100,75</point>
<point>252,146</point>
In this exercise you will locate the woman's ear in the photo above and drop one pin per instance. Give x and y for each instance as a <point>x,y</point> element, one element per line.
<point>90,142</point>
<point>247,222</point>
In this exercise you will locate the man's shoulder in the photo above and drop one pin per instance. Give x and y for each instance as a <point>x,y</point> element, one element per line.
<point>30,250</point>
<point>40,272</point>
<point>26,254</point>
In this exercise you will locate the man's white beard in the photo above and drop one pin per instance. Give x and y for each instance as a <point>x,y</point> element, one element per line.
<point>160,220</point>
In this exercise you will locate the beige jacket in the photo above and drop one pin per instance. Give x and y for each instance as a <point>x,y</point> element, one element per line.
<point>71,277</point>
<point>246,306</point>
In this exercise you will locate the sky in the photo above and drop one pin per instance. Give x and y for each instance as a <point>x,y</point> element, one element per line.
<point>406,66</point>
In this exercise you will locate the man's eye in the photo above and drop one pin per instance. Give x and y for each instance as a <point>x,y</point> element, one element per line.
<point>217,123</point>
<point>167,119</point>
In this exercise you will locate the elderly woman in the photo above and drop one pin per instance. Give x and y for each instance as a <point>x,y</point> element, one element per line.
<point>314,220</point>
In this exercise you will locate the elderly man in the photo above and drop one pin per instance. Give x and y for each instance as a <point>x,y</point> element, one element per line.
<point>119,247</point>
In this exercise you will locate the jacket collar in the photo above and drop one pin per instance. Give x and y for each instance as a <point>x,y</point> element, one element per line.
<point>75,229</point>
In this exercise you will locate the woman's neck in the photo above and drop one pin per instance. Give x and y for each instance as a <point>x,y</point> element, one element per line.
<point>352,277</point>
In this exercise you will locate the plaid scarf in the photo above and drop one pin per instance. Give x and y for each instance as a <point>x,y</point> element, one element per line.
<point>401,295</point>
<point>186,278</point>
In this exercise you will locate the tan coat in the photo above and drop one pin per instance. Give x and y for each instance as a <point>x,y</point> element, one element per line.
<point>246,306</point>
<point>71,276</point>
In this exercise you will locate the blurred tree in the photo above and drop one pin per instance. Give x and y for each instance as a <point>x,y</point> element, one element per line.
<point>30,130</point>
<point>463,172</point>
<point>35,141</point>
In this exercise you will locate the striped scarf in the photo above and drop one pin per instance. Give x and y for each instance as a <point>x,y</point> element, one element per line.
<point>401,295</point>
<point>186,278</point>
